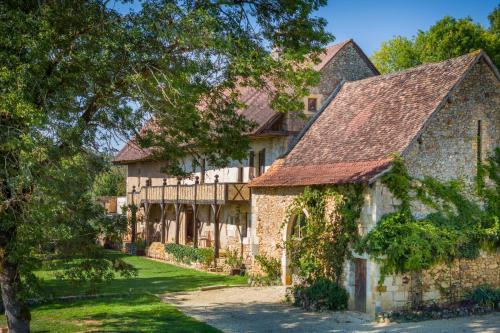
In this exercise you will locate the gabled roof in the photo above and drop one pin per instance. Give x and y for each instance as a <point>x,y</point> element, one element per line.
<point>367,122</point>
<point>258,105</point>
<point>258,108</point>
<point>131,152</point>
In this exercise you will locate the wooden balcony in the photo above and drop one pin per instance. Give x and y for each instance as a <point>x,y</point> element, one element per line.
<point>214,193</point>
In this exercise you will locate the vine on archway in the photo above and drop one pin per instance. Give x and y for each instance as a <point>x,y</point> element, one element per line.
<point>330,231</point>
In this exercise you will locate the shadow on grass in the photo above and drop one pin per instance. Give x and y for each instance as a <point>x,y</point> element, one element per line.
<point>153,277</point>
<point>135,313</point>
<point>135,285</point>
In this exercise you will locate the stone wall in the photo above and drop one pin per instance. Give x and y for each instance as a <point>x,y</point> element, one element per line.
<point>269,210</point>
<point>442,284</point>
<point>348,65</point>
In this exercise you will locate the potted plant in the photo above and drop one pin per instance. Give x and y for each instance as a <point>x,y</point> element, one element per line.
<point>235,262</point>
<point>140,247</point>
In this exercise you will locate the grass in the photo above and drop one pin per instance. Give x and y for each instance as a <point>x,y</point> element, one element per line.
<point>153,277</point>
<point>134,313</point>
<point>136,310</point>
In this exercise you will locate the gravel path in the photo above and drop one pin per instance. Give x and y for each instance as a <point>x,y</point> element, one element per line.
<point>246,309</point>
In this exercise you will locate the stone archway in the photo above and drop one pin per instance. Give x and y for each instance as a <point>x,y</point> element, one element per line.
<point>294,230</point>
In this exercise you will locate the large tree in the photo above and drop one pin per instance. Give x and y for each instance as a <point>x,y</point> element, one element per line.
<point>77,74</point>
<point>446,39</point>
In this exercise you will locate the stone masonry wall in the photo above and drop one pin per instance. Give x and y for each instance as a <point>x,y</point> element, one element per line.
<point>347,65</point>
<point>269,208</point>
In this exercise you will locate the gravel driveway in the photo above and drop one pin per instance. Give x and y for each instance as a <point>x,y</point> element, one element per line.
<point>249,309</point>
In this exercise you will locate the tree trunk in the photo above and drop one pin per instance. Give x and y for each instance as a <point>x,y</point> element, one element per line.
<point>18,314</point>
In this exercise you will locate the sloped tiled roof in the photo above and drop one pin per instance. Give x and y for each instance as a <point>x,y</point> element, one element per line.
<point>131,152</point>
<point>368,121</point>
<point>258,108</point>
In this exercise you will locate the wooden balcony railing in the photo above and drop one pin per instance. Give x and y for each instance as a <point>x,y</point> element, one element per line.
<point>214,193</point>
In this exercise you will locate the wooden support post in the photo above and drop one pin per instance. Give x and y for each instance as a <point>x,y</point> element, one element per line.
<point>177,214</point>
<point>195,213</point>
<point>162,211</point>
<point>216,209</point>
<point>147,206</point>
<point>133,217</point>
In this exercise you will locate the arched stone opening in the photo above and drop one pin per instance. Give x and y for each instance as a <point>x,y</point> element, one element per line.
<point>294,232</point>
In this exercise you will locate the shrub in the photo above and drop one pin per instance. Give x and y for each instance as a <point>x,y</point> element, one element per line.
<point>140,244</point>
<point>187,254</point>
<point>322,294</point>
<point>271,266</point>
<point>485,295</point>
<point>232,259</point>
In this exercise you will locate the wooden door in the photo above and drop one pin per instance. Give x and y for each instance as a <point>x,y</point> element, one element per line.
<point>189,219</point>
<point>360,285</point>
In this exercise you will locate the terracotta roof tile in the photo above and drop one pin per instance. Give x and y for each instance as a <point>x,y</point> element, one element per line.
<point>132,153</point>
<point>367,121</point>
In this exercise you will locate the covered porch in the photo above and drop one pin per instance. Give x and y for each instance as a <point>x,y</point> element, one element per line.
<point>178,213</point>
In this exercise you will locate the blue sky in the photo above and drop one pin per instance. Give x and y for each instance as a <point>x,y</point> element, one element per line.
<point>370,23</point>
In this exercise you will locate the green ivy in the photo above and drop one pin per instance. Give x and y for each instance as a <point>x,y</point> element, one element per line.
<point>187,254</point>
<point>460,225</point>
<point>326,238</point>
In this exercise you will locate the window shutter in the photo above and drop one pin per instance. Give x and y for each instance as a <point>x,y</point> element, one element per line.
<point>251,165</point>
<point>262,162</point>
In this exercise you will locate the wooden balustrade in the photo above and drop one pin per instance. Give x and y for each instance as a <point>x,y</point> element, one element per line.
<point>219,193</point>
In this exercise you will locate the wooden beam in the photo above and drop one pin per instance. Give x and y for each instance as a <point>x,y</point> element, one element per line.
<point>195,213</point>
<point>162,211</point>
<point>216,209</point>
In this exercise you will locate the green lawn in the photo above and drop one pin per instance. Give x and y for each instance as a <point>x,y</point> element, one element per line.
<point>139,311</point>
<point>153,277</point>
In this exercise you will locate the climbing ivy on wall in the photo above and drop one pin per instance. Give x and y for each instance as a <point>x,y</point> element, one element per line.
<point>459,225</point>
<point>330,231</point>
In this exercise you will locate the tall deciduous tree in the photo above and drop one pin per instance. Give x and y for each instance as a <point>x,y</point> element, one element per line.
<point>73,74</point>
<point>448,38</point>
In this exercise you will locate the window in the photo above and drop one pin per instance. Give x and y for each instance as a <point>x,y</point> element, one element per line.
<point>298,226</point>
<point>240,174</point>
<point>244,227</point>
<point>312,104</point>
<point>251,165</point>
<point>139,178</point>
<point>262,162</point>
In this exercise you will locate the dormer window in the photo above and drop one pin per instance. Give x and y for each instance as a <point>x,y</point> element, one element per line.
<point>312,104</point>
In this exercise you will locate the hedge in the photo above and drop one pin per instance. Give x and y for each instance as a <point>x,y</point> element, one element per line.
<point>188,254</point>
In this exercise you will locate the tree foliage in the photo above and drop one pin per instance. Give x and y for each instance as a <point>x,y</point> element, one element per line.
<point>74,75</point>
<point>459,224</point>
<point>111,182</point>
<point>446,39</point>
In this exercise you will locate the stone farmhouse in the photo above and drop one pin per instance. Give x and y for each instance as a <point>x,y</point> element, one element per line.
<point>443,118</point>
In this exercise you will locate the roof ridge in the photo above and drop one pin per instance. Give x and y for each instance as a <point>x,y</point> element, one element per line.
<point>471,55</point>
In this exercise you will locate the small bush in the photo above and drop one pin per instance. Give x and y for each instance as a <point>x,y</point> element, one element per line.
<point>140,244</point>
<point>232,259</point>
<point>322,294</point>
<point>485,295</point>
<point>271,266</point>
<point>187,254</point>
